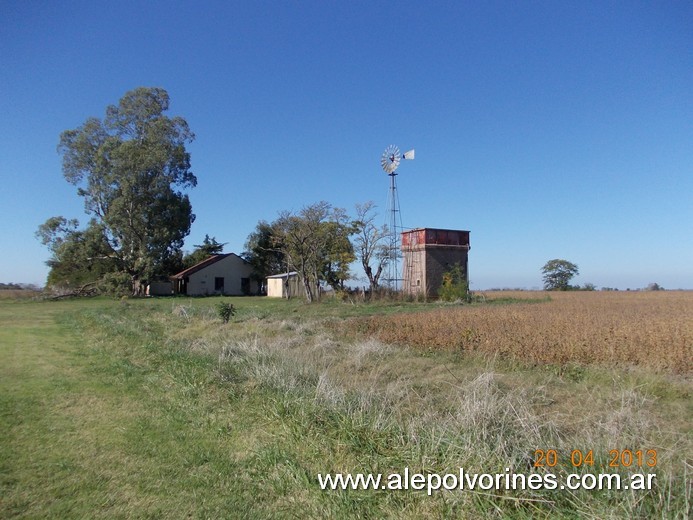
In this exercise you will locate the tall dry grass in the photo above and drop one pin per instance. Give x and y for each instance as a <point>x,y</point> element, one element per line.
<point>363,404</point>
<point>17,294</point>
<point>647,329</point>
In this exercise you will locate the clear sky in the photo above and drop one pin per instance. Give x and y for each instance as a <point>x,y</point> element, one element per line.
<point>549,129</point>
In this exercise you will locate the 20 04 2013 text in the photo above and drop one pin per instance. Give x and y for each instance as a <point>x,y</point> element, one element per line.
<point>616,459</point>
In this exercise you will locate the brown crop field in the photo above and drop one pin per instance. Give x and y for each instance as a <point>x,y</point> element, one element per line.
<point>14,294</point>
<point>616,329</point>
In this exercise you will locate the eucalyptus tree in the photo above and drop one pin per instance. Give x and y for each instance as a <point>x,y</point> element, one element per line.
<point>131,169</point>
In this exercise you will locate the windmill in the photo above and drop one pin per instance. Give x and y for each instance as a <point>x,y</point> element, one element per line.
<point>389,162</point>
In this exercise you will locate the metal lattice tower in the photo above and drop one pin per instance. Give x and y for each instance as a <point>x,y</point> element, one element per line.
<point>395,228</point>
<point>389,162</point>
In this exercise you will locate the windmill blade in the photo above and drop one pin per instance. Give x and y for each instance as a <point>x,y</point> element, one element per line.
<point>409,154</point>
<point>390,159</point>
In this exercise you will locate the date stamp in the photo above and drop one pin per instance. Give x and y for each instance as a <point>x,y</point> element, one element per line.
<point>626,458</point>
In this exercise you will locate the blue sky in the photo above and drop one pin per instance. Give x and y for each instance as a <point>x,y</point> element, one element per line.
<point>549,129</point>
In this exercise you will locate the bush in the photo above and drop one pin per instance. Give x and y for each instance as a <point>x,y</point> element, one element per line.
<point>455,286</point>
<point>116,284</point>
<point>225,311</point>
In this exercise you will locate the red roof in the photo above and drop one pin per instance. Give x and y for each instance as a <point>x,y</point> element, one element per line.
<point>435,236</point>
<point>199,266</point>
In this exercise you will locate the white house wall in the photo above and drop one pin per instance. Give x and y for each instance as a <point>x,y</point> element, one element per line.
<point>232,269</point>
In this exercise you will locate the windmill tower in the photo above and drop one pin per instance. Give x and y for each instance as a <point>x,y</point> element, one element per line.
<point>389,162</point>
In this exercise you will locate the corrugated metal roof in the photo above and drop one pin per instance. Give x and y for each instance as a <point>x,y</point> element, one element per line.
<point>292,273</point>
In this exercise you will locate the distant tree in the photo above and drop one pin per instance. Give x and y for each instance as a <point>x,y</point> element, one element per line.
<point>172,264</point>
<point>209,247</point>
<point>558,273</point>
<point>130,169</point>
<point>371,244</point>
<point>300,239</point>
<point>589,287</point>
<point>338,252</point>
<point>314,243</point>
<point>654,287</point>
<point>263,249</point>
<point>18,287</point>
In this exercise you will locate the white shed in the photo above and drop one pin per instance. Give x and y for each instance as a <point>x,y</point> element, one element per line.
<point>283,285</point>
<point>226,274</point>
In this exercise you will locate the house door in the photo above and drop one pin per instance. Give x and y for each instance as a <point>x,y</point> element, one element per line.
<point>219,285</point>
<point>245,286</point>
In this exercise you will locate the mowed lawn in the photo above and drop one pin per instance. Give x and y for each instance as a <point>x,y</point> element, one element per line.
<point>115,425</point>
<point>153,408</point>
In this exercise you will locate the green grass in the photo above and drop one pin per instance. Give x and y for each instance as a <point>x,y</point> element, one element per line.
<point>155,409</point>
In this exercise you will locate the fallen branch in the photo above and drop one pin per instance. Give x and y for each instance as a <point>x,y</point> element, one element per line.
<point>88,289</point>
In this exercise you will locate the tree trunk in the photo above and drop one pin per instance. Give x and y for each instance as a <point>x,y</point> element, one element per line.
<point>137,287</point>
<point>306,286</point>
<point>316,278</point>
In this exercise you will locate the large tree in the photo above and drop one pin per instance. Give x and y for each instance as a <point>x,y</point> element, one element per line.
<point>558,273</point>
<point>131,169</point>
<point>315,243</point>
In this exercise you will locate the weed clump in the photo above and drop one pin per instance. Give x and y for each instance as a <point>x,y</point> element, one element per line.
<point>225,311</point>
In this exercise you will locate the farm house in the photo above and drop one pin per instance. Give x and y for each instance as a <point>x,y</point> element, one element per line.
<point>428,253</point>
<point>226,274</point>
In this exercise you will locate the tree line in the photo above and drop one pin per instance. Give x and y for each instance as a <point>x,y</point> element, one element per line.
<point>132,170</point>
<point>319,243</point>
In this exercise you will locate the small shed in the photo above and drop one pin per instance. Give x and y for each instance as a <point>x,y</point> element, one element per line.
<point>225,274</point>
<point>284,285</point>
<point>160,288</point>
